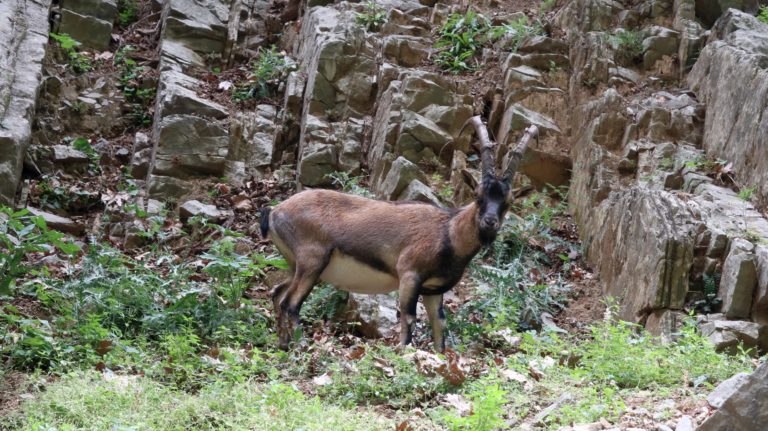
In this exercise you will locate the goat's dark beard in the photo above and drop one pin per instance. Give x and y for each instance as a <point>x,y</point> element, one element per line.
<point>487,236</point>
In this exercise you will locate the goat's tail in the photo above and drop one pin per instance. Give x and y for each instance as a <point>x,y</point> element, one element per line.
<point>264,223</point>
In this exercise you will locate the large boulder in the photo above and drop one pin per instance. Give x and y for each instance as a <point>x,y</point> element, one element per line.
<point>91,32</point>
<point>738,280</point>
<point>376,314</point>
<point>189,146</point>
<point>641,242</point>
<point>20,78</point>
<point>746,409</point>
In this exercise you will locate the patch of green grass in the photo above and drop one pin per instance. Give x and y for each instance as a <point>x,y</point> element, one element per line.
<point>373,18</point>
<point>381,376</point>
<point>268,71</point>
<point>88,401</point>
<point>623,354</point>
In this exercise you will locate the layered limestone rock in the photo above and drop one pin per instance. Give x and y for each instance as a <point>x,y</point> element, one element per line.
<point>190,136</point>
<point>22,44</point>
<point>418,118</point>
<point>339,93</point>
<point>654,224</point>
<point>730,76</point>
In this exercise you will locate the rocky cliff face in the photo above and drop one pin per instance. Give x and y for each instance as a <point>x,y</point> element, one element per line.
<point>651,110</point>
<point>654,170</point>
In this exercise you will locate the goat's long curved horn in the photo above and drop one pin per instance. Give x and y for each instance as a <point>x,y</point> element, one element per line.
<point>485,146</point>
<point>512,159</point>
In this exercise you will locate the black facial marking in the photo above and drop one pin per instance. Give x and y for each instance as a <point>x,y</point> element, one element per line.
<point>492,202</point>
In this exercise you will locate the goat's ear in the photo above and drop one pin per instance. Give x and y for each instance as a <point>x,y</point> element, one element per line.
<point>469,179</point>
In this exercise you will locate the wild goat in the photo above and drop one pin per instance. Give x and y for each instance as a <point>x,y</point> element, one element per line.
<point>366,246</point>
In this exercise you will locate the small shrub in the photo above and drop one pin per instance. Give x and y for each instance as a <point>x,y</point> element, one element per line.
<point>349,184</point>
<point>547,5</point>
<point>79,62</point>
<point>629,46</point>
<point>710,303</point>
<point>22,235</point>
<point>515,32</point>
<point>460,38</point>
<point>325,303</point>
<point>763,15</point>
<point>127,12</point>
<point>747,193</point>
<point>84,145</point>
<point>373,18</point>
<point>487,410</point>
<point>268,71</point>
<point>139,98</point>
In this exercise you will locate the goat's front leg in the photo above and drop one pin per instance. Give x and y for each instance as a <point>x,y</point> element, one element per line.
<point>409,296</point>
<point>434,306</point>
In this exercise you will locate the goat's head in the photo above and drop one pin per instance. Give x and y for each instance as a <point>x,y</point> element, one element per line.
<point>493,195</point>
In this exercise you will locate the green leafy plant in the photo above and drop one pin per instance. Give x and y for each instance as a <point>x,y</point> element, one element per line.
<point>763,15</point>
<point>628,46</point>
<point>547,5</point>
<point>747,193</point>
<point>127,12</point>
<point>268,71</point>
<point>139,97</point>
<point>325,303</point>
<point>373,18</point>
<point>515,32</point>
<point>84,145</point>
<point>710,303</point>
<point>348,183</point>
<point>79,61</point>
<point>21,235</point>
<point>444,188</point>
<point>487,410</point>
<point>507,297</point>
<point>667,164</point>
<point>459,40</point>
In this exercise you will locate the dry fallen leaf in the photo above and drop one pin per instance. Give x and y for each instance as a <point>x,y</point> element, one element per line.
<point>404,426</point>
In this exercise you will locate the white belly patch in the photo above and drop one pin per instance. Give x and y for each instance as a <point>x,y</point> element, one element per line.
<point>347,273</point>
